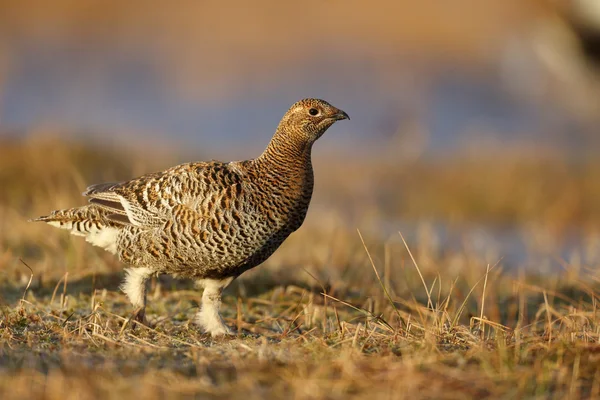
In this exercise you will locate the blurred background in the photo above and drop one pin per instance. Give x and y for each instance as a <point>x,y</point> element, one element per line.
<point>474,123</point>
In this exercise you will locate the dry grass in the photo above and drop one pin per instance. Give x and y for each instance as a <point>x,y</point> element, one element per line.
<point>328,316</point>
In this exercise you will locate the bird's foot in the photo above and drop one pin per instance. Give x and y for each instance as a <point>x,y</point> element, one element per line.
<point>212,324</point>
<point>208,317</point>
<point>139,317</point>
<point>220,331</point>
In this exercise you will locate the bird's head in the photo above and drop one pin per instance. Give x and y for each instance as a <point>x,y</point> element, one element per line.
<point>308,119</point>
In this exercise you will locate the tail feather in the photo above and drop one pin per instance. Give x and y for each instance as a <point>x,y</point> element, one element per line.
<point>88,221</point>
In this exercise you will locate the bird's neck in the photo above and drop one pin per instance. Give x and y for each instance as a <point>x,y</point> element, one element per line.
<point>286,152</point>
<point>285,170</point>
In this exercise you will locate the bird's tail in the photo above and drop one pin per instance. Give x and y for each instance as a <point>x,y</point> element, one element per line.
<point>88,221</point>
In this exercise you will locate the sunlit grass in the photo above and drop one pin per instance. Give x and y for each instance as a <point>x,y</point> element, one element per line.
<point>333,314</point>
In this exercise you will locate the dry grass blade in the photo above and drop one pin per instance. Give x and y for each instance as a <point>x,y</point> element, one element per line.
<point>363,311</point>
<point>30,279</point>
<point>548,316</point>
<point>429,302</point>
<point>324,297</point>
<point>493,324</point>
<point>64,277</point>
<point>383,287</point>
<point>487,272</point>
<point>464,302</point>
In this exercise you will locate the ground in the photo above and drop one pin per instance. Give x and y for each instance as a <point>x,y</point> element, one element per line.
<point>336,313</point>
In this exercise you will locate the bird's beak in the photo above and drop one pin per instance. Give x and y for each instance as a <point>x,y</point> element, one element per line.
<point>341,115</point>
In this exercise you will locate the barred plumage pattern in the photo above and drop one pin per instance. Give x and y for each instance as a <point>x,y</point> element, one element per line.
<point>208,221</point>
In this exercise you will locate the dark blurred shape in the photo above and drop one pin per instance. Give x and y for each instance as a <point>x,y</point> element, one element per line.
<point>585,19</point>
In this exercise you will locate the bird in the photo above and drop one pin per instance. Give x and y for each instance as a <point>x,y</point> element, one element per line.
<point>205,221</point>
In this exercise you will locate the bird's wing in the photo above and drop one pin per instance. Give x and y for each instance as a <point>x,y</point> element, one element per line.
<point>149,200</point>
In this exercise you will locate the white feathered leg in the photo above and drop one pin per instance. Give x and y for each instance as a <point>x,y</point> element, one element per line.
<point>208,317</point>
<point>134,287</point>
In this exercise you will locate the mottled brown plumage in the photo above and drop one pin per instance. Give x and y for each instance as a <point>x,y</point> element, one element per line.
<point>208,221</point>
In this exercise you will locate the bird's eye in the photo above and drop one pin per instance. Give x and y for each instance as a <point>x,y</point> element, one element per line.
<point>313,112</point>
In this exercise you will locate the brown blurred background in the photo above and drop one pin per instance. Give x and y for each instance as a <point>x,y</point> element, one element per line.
<point>464,111</point>
<point>211,73</point>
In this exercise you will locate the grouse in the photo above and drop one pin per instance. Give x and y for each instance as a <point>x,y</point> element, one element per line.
<point>207,221</point>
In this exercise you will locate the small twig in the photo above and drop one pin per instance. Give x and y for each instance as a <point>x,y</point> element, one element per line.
<point>67,319</point>
<point>63,300</point>
<point>362,348</point>
<point>337,319</point>
<point>30,279</point>
<point>149,329</point>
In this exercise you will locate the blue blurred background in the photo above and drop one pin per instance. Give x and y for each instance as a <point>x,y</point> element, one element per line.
<point>219,75</point>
